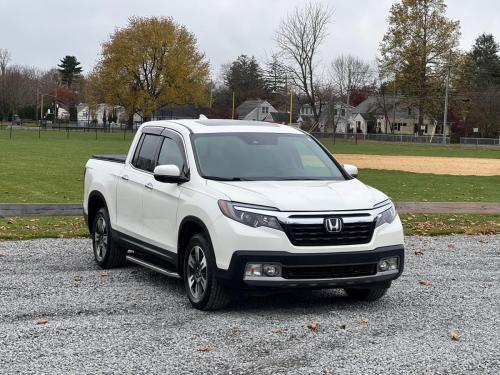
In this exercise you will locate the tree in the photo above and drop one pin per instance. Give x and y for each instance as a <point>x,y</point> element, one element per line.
<point>484,61</point>
<point>4,60</point>
<point>476,87</point>
<point>17,90</point>
<point>349,74</point>
<point>150,63</point>
<point>299,37</point>
<point>415,50</point>
<point>276,77</point>
<point>70,70</point>
<point>244,77</point>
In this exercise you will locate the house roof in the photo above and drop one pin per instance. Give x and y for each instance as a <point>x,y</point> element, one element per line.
<point>374,104</point>
<point>248,106</point>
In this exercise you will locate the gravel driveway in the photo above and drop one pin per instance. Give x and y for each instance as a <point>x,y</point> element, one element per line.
<point>132,320</point>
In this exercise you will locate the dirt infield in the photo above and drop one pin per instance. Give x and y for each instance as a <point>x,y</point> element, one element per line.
<point>425,164</point>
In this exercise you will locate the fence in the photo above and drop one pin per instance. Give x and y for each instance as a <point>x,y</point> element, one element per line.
<point>11,131</point>
<point>400,138</point>
<point>479,141</point>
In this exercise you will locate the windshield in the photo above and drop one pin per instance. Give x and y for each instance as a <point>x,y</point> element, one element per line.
<point>262,156</point>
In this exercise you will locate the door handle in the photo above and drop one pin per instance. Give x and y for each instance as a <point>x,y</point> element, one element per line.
<point>149,186</point>
<point>125,177</point>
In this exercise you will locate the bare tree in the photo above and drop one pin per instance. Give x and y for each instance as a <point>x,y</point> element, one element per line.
<point>348,73</point>
<point>299,37</point>
<point>18,89</point>
<point>4,60</point>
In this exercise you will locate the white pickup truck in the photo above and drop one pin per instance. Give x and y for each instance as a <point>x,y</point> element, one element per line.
<point>229,205</point>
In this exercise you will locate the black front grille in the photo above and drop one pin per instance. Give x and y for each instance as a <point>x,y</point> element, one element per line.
<point>329,272</point>
<point>316,234</point>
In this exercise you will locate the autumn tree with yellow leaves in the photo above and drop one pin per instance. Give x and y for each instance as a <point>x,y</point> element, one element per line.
<point>415,51</point>
<point>151,63</point>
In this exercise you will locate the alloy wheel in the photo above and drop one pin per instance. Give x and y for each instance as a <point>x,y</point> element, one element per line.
<point>100,239</point>
<point>197,272</point>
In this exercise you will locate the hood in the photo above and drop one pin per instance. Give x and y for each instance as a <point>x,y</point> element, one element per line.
<point>302,195</point>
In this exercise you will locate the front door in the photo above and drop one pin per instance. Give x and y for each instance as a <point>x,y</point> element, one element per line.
<point>133,183</point>
<point>161,200</point>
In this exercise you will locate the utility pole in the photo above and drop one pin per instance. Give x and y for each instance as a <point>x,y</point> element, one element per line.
<point>394,106</point>
<point>37,102</point>
<point>445,115</point>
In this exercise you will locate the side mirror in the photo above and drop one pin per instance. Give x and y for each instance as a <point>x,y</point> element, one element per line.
<point>169,173</point>
<point>351,169</point>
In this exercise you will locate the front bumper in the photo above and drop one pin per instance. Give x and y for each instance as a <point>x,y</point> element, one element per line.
<point>234,276</point>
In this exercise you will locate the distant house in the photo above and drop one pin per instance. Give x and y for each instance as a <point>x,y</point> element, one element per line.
<point>390,114</point>
<point>256,110</point>
<point>336,115</point>
<point>95,114</point>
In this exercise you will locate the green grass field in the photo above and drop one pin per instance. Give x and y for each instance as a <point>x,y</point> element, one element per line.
<point>50,169</point>
<point>408,149</point>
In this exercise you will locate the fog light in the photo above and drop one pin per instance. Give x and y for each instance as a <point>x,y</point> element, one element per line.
<point>388,264</point>
<point>252,269</point>
<point>271,270</point>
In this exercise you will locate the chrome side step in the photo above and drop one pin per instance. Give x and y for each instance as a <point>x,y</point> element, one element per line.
<point>153,267</point>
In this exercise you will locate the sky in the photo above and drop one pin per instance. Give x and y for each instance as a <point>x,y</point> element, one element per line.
<point>39,33</point>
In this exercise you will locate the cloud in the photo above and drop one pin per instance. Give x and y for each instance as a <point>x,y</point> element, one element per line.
<point>42,32</point>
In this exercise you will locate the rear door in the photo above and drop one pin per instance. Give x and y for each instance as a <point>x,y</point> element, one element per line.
<point>134,182</point>
<point>161,201</point>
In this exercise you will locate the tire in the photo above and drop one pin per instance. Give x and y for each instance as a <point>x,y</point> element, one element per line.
<point>371,294</point>
<point>202,287</point>
<point>107,253</point>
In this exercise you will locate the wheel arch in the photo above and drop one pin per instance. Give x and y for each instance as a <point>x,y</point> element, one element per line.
<point>189,226</point>
<point>96,201</point>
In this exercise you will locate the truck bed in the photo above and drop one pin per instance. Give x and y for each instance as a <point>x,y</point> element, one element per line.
<point>114,158</point>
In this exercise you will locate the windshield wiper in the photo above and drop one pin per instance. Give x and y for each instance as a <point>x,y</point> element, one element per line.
<point>217,178</point>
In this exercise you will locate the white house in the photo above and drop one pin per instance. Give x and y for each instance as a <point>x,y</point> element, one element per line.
<point>390,114</point>
<point>333,116</point>
<point>86,115</point>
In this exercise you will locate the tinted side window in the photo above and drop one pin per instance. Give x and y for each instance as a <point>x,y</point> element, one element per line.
<point>146,158</point>
<point>171,153</point>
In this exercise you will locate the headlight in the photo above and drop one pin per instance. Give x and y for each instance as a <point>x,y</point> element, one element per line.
<point>249,218</point>
<point>386,216</point>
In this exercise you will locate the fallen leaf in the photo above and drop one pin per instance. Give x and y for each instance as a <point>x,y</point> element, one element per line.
<point>454,335</point>
<point>483,241</point>
<point>419,252</point>
<point>313,326</point>
<point>362,321</point>
<point>42,321</point>
<point>205,349</point>
<point>77,279</point>
<point>104,274</point>
<point>278,330</point>
<point>488,285</point>
<point>235,329</point>
<point>325,372</point>
<point>451,246</point>
<point>425,282</point>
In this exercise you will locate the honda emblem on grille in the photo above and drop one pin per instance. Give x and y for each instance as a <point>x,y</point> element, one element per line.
<point>333,224</point>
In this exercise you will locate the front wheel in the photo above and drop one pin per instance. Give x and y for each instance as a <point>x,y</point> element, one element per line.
<point>202,287</point>
<point>107,253</point>
<point>370,294</point>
